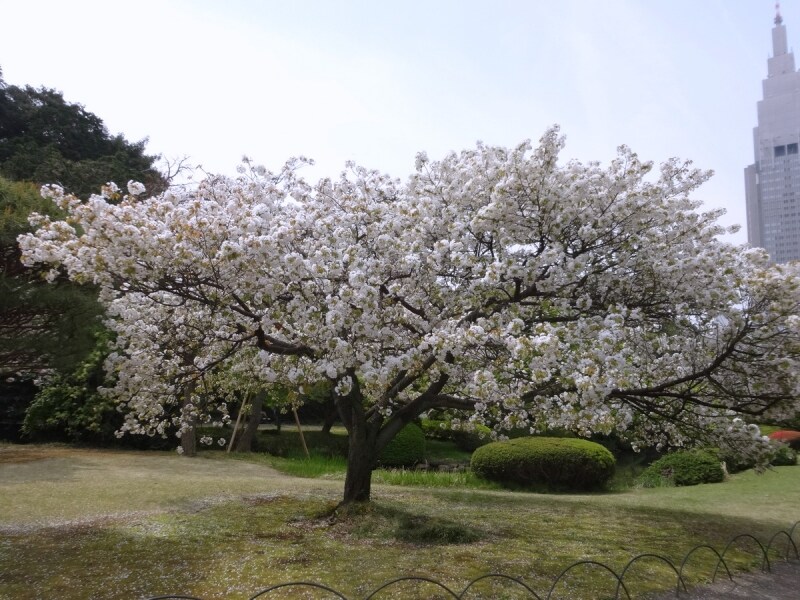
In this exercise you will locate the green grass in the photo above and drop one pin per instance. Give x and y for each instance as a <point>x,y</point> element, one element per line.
<point>316,465</point>
<point>432,479</point>
<point>80,524</point>
<point>326,467</point>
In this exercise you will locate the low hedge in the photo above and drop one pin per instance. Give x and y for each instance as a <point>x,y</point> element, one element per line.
<point>406,449</point>
<point>559,463</point>
<point>684,467</point>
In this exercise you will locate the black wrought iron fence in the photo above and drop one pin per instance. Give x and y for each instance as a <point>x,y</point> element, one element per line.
<point>784,538</point>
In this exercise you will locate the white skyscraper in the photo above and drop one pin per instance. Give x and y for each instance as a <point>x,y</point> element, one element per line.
<point>772,184</point>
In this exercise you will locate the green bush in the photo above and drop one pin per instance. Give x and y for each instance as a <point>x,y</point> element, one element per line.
<point>406,449</point>
<point>685,467</point>
<point>785,456</point>
<point>69,408</point>
<point>436,429</point>
<point>559,463</point>
<point>734,462</point>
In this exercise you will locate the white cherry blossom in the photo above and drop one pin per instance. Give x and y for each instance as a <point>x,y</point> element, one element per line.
<point>496,281</point>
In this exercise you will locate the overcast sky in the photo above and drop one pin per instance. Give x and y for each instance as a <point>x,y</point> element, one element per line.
<point>377,81</point>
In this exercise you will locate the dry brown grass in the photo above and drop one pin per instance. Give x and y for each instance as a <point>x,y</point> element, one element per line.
<point>51,485</point>
<point>22,454</point>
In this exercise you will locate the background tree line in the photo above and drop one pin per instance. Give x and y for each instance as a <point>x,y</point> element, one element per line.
<point>45,330</point>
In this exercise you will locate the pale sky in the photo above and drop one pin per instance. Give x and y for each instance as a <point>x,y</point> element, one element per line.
<point>378,81</point>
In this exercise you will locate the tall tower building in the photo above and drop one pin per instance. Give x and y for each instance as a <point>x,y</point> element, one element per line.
<point>772,183</point>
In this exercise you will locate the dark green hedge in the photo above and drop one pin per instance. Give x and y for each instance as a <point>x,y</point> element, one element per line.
<point>560,463</point>
<point>406,449</point>
<point>685,467</point>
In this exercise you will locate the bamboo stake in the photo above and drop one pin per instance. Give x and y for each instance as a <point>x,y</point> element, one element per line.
<point>238,420</point>
<point>300,431</point>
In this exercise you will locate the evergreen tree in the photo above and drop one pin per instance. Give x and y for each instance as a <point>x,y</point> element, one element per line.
<point>45,139</point>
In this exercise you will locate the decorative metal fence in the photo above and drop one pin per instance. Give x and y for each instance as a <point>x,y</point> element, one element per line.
<point>784,538</point>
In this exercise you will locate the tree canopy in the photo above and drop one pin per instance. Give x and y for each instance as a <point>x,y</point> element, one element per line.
<point>45,139</point>
<point>495,281</point>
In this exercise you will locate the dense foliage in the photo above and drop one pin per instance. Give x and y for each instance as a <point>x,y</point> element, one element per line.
<point>785,456</point>
<point>560,463</point>
<point>684,467</point>
<point>526,293</point>
<point>289,444</point>
<point>69,408</point>
<point>45,139</point>
<point>41,326</point>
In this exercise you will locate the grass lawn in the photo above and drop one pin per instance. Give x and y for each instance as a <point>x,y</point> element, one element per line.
<point>109,524</point>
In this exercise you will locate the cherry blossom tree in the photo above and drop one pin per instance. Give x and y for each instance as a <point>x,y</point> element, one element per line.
<point>524,292</point>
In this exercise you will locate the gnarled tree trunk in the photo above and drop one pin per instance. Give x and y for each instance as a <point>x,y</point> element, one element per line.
<point>362,445</point>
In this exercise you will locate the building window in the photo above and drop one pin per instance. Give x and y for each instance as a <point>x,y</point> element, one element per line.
<point>791,149</point>
<point>780,151</point>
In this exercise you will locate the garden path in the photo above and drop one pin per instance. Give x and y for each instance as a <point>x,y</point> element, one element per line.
<point>783,583</point>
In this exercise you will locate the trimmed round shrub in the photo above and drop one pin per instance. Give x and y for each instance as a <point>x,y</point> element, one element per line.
<point>685,467</point>
<point>406,449</point>
<point>559,463</point>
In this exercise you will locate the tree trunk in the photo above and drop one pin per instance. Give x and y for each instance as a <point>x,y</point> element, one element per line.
<point>360,464</point>
<point>361,451</point>
<point>245,441</point>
